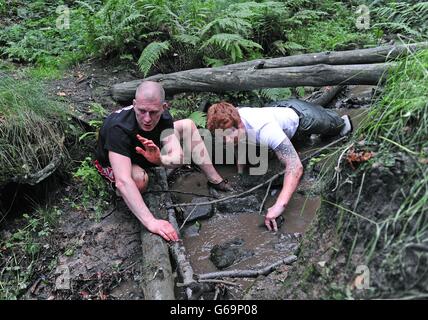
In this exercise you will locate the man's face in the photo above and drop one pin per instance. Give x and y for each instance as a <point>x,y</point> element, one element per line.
<point>148,113</point>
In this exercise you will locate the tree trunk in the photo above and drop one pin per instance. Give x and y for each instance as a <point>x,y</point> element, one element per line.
<point>215,80</point>
<point>210,79</point>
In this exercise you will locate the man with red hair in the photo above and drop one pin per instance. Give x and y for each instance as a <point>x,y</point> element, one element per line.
<point>273,126</point>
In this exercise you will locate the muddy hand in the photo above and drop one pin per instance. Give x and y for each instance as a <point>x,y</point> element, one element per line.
<point>151,151</point>
<point>164,229</point>
<point>270,219</point>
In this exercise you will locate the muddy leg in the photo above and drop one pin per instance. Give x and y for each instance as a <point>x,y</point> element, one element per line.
<point>194,145</point>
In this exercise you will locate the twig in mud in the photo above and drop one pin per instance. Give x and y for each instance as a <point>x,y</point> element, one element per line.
<point>187,218</point>
<point>337,169</point>
<point>265,197</point>
<point>259,185</point>
<point>110,213</point>
<point>247,273</point>
<point>217,291</point>
<point>181,192</point>
<point>359,191</point>
<point>227,283</point>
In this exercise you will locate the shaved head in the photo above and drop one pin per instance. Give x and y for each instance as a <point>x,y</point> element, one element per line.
<point>150,91</point>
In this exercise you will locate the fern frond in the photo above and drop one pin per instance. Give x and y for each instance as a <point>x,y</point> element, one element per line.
<point>226,25</point>
<point>275,94</point>
<point>187,38</point>
<point>232,43</point>
<point>199,118</point>
<point>151,55</point>
<point>86,5</point>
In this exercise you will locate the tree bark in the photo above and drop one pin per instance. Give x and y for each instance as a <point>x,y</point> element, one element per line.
<point>178,250</point>
<point>325,95</point>
<point>158,281</point>
<point>215,80</point>
<point>211,79</point>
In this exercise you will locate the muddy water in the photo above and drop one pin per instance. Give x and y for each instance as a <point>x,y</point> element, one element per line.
<point>268,247</point>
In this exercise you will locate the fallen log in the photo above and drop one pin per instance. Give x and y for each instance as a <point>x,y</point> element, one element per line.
<point>218,80</point>
<point>158,281</point>
<point>359,56</point>
<point>124,92</point>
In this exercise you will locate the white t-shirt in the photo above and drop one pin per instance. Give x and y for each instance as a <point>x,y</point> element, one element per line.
<point>269,126</point>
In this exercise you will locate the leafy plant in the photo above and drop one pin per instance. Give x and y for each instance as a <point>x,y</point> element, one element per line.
<point>151,55</point>
<point>95,194</point>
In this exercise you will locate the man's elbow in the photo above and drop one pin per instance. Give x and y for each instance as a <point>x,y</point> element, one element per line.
<point>299,170</point>
<point>121,184</point>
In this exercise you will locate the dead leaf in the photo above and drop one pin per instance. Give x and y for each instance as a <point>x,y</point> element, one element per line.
<point>423,160</point>
<point>354,157</point>
<point>61,94</point>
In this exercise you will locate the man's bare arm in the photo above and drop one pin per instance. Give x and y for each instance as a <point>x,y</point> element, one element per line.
<point>122,168</point>
<point>293,172</point>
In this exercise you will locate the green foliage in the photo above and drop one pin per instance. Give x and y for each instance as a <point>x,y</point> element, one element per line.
<point>100,113</point>
<point>275,94</point>
<point>404,17</point>
<point>22,249</point>
<point>95,194</point>
<point>151,55</point>
<point>33,128</point>
<point>232,45</point>
<point>199,118</point>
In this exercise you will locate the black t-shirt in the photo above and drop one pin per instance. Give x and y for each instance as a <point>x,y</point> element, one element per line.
<point>119,134</point>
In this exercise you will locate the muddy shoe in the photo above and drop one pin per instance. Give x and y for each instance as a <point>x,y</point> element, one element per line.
<point>221,186</point>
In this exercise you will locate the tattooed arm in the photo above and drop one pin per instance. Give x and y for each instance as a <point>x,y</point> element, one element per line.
<point>293,172</point>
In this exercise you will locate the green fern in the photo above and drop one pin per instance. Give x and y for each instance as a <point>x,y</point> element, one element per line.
<point>232,44</point>
<point>226,25</point>
<point>274,94</point>
<point>404,17</point>
<point>199,118</point>
<point>151,55</point>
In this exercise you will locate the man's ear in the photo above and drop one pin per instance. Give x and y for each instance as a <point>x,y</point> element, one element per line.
<point>165,105</point>
<point>133,102</point>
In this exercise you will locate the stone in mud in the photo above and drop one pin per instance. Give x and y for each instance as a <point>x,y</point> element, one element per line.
<point>239,205</point>
<point>226,254</point>
<point>199,212</point>
<point>192,230</point>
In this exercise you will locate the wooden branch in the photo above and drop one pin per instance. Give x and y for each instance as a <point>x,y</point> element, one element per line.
<point>158,281</point>
<point>34,178</point>
<point>247,273</point>
<point>359,56</point>
<point>177,248</point>
<point>324,96</point>
<point>220,80</point>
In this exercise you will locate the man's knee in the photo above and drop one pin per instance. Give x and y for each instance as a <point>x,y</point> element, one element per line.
<point>140,177</point>
<point>185,125</point>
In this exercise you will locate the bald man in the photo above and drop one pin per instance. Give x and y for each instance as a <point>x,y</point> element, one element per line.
<point>130,141</point>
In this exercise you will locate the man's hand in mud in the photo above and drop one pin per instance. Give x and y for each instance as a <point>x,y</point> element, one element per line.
<point>270,219</point>
<point>163,228</point>
<point>151,151</point>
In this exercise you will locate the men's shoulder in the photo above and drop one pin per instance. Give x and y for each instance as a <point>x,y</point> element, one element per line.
<point>123,118</point>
